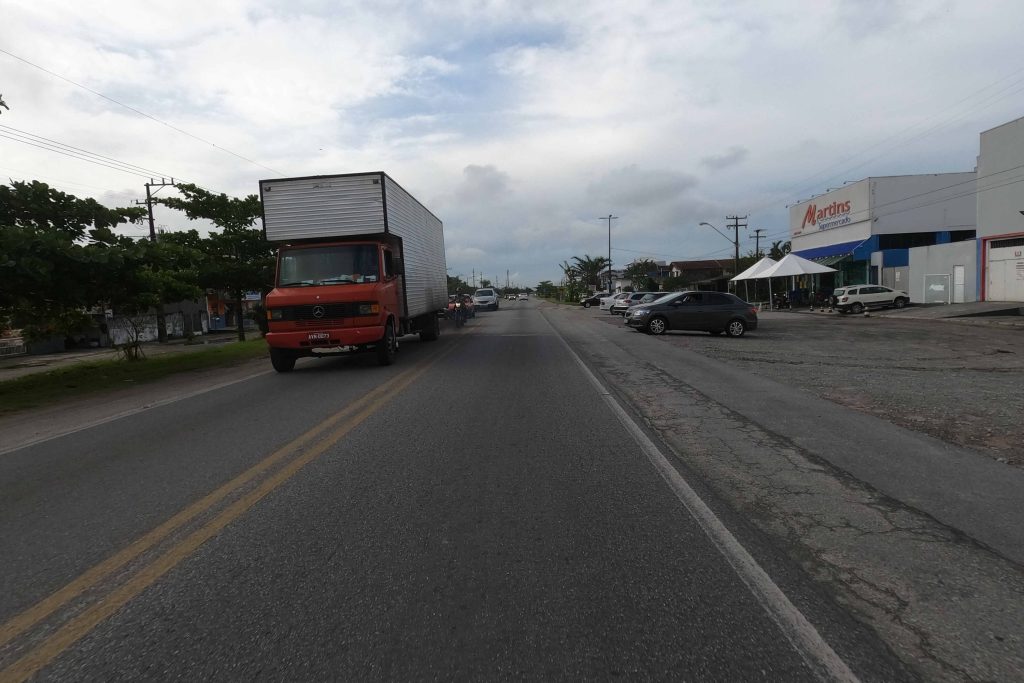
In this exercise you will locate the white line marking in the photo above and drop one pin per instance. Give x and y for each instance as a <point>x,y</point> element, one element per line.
<point>128,413</point>
<point>802,635</point>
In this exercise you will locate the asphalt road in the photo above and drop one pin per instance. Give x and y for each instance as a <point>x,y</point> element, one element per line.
<point>476,511</point>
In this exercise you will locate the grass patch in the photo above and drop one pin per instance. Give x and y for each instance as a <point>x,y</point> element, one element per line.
<point>95,377</point>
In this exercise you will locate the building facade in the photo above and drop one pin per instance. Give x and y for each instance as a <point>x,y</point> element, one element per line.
<point>866,230</point>
<point>1001,212</point>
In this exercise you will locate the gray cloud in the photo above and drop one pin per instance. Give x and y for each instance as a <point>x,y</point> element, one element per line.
<point>734,155</point>
<point>482,184</point>
<point>632,188</point>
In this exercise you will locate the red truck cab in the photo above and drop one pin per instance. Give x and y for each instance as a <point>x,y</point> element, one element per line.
<point>332,297</point>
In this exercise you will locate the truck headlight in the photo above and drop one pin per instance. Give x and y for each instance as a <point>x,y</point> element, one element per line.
<point>369,309</point>
<point>275,314</point>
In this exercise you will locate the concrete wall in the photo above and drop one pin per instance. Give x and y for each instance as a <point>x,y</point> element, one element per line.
<point>923,203</point>
<point>940,259</point>
<point>999,197</point>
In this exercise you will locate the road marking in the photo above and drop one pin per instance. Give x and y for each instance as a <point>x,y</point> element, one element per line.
<point>82,624</point>
<point>801,634</point>
<point>129,413</point>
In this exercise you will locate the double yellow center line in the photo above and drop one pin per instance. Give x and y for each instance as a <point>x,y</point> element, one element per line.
<point>310,445</point>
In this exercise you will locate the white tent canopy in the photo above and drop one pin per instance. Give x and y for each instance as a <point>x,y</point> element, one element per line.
<point>754,271</point>
<point>791,264</point>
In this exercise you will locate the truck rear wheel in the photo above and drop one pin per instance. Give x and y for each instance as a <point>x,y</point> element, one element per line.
<point>283,360</point>
<point>388,346</point>
<point>431,331</point>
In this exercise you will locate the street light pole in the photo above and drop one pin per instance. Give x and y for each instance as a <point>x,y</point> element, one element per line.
<point>609,218</point>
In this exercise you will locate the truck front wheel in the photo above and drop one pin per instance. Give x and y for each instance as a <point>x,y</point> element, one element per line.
<point>387,347</point>
<point>283,360</point>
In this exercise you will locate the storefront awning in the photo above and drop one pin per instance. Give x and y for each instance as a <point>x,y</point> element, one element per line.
<point>832,260</point>
<point>841,250</point>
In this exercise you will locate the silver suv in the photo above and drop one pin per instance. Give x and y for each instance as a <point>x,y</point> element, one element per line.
<point>486,298</point>
<point>619,307</point>
<point>855,298</point>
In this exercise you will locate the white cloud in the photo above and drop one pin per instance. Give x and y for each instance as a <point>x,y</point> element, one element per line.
<point>519,123</point>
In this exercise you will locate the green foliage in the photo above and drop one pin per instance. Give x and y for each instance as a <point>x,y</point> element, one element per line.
<point>238,259</point>
<point>590,269</point>
<point>779,249</point>
<point>639,274</point>
<point>546,288</point>
<point>59,256</point>
<point>456,285</point>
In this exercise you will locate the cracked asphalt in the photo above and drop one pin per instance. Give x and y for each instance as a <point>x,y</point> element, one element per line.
<point>950,607</point>
<point>959,383</point>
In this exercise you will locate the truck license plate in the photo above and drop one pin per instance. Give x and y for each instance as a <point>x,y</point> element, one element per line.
<point>319,336</point>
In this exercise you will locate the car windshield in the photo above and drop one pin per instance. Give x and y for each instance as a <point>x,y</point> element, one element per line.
<point>334,265</point>
<point>485,292</point>
<point>665,298</point>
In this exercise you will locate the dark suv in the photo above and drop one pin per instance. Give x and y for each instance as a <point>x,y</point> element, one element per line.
<point>714,312</point>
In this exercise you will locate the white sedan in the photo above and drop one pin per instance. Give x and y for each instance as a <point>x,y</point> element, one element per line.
<point>606,302</point>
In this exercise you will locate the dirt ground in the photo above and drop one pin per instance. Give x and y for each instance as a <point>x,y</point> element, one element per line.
<point>963,383</point>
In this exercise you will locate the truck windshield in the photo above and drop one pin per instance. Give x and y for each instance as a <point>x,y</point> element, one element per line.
<point>334,265</point>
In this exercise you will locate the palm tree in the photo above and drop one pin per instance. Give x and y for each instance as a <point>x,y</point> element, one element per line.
<point>779,249</point>
<point>590,268</point>
<point>638,272</point>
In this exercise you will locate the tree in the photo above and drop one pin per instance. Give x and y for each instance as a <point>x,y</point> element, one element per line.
<point>779,249</point>
<point>590,268</point>
<point>571,280</point>
<point>546,288</point>
<point>456,284</point>
<point>3,104</point>
<point>239,259</point>
<point>59,257</point>
<point>639,274</point>
<point>484,283</point>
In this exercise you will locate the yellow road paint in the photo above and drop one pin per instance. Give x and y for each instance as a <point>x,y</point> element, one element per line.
<point>79,626</point>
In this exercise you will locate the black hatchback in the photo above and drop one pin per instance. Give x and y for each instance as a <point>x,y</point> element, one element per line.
<point>714,312</point>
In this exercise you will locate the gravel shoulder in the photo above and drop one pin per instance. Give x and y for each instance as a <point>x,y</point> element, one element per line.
<point>957,382</point>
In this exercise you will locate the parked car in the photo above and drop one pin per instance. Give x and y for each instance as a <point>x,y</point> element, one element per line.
<point>606,303</point>
<point>593,300</point>
<point>634,298</point>
<point>856,298</point>
<point>714,312</point>
<point>486,298</point>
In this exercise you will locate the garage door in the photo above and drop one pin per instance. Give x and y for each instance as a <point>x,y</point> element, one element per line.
<point>1006,270</point>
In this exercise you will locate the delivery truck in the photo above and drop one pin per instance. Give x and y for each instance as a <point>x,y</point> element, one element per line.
<point>360,263</point>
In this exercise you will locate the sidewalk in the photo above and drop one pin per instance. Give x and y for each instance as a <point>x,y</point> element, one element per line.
<point>21,366</point>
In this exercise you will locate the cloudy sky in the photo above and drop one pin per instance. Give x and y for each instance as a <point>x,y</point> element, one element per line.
<point>518,123</point>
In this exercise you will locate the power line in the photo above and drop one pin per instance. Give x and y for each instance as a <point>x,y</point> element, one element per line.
<point>139,112</point>
<point>74,156</point>
<point>845,170</point>
<point>71,150</point>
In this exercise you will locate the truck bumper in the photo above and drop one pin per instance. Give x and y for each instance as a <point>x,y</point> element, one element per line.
<point>307,341</point>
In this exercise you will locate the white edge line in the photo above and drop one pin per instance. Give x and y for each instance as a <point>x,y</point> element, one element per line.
<point>815,651</point>
<point>128,413</point>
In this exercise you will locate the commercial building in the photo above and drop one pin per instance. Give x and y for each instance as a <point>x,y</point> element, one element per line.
<point>943,238</point>
<point>867,229</point>
<point>1001,212</point>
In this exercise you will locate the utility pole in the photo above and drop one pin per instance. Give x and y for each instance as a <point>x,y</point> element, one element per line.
<point>736,225</point>
<point>757,242</point>
<point>161,320</point>
<point>609,218</point>
<point>506,278</point>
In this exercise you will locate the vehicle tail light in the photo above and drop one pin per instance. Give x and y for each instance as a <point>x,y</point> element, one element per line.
<point>753,311</point>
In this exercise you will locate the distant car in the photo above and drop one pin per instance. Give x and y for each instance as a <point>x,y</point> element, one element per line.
<point>486,298</point>
<point>606,303</point>
<point>634,298</point>
<point>523,296</point>
<point>714,312</point>
<point>855,298</point>
<point>593,300</point>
